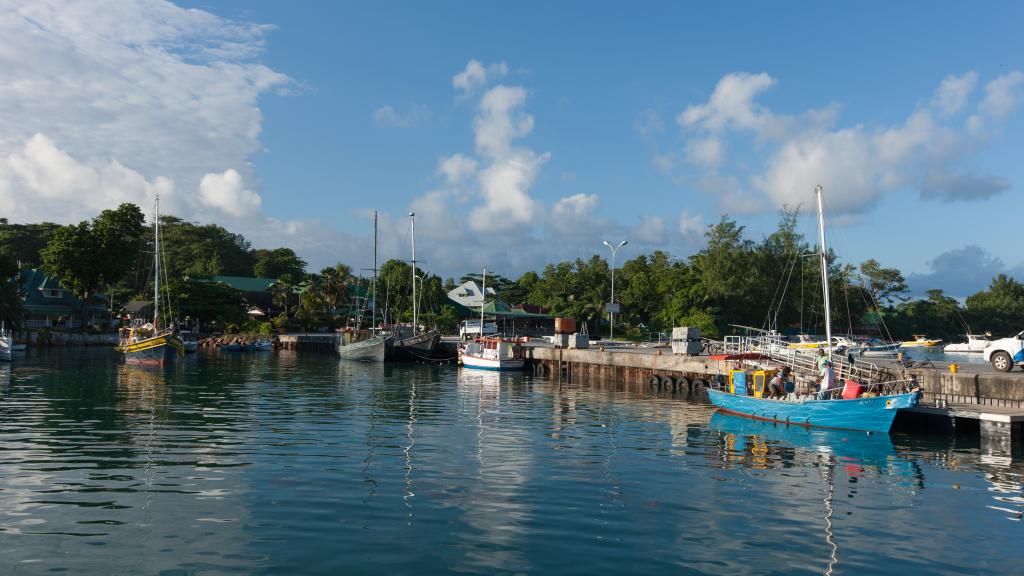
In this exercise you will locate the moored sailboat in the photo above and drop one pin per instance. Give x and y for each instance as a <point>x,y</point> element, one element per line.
<point>414,344</point>
<point>366,345</point>
<point>866,405</point>
<point>151,343</point>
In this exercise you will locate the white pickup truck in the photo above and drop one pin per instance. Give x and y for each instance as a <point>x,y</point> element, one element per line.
<point>471,328</point>
<point>1005,353</point>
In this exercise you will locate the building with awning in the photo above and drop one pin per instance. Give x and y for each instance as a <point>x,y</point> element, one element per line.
<point>516,320</point>
<point>48,305</point>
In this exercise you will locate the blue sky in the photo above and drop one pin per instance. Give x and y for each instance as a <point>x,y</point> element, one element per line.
<point>578,121</point>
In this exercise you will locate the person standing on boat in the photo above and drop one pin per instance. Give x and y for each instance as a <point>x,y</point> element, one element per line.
<point>777,385</point>
<point>828,380</point>
<point>822,359</point>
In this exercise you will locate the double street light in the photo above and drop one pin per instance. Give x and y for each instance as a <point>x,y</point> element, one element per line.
<point>612,306</point>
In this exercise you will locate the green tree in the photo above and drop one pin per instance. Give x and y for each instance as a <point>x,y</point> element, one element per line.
<point>205,303</point>
<point>25,242</point>
<point>203,250</point>
<point>279,263</point>
<point>10,299</point>
<point>998,309</point>
<point>884,285</point>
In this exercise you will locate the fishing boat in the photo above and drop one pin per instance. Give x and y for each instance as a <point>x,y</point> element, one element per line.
<point>491,353</point>
<point>870,406</point>
<point>975,343</point>
<point>366,345</point>
<point>263,346</point>
<point>151,343</point>
<point>921,341</point>
<point>414,344</point>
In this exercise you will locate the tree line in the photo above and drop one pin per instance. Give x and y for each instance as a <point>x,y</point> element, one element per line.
<point>734,280</point>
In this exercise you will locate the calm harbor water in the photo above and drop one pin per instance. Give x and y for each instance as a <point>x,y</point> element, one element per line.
<point>302,464</point>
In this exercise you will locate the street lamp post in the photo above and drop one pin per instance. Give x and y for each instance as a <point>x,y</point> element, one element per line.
<point>611,312</point>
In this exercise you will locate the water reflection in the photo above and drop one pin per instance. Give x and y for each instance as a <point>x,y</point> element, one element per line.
<point>494,505</point>
<point>292,463</point>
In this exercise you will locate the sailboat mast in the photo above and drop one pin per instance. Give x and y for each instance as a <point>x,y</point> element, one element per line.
<point>373,288</point>
<point>824,270</point>
<point>412,225</point>
<point>156,265</point>
<point>483,300</point>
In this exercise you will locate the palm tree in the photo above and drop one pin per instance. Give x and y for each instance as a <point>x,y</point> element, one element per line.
<point>282,294</point>
<point>334,285</point>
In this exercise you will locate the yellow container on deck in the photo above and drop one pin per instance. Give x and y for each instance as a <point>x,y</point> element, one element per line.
<point>761,379</point>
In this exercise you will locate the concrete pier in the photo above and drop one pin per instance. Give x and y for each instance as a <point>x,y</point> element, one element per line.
<point>322,342</point>
<point>992,401</point>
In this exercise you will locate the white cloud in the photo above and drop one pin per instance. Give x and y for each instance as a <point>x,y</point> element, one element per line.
<point>109,102</point>
<point>575,207</point>
<point>457,168</point>
<point>412,117</point>
<point>505,183</point>
<point>691,224</point>
<point>858,164</point>
<point>705,152</point>
<point>40,176</point>
<point>1001,95</point>
<point>227,193</point>
<point>649,123</point>
<point>953,93</point>
<point>651,230</point>
<point>732,106</point>
<point>476,76</point>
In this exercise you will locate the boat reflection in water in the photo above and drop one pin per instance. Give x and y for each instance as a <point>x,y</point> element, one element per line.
<point>841,457</point>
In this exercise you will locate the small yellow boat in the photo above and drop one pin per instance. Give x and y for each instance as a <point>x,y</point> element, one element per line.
<point>921,342</point>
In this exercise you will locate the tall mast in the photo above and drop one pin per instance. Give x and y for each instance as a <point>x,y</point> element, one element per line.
<point>824,270</point>
<point>373,290</point>
<point>483,300</point>
<point>156,265</point>
<point>412,225</point>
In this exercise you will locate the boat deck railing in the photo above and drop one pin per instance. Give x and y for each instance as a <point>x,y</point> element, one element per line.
<point>804,362</point>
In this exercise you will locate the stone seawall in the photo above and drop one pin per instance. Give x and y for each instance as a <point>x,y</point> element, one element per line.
<point>973,388</point>
<point>36,338</point>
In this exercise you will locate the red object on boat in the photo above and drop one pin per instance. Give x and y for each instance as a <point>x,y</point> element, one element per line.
<point>852,390</point>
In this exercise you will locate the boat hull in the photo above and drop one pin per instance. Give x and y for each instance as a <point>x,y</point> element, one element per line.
<point>479,363</point>
<point>416,347</point>
<point>369,350</point>
<point>921,343</point>
<point>870,414</point>
<point>158,350</point>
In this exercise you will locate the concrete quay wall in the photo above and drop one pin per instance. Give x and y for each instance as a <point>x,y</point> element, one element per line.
<point>996,389</point>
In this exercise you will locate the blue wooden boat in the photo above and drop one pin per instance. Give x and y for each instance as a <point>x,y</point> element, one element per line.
<point>874,414</point>
<point>871,413</point>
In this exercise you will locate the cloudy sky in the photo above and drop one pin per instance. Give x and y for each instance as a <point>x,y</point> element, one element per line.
<point>526,133</point>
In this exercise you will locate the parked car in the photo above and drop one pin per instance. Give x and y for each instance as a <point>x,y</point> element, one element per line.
<point>1005,353</point>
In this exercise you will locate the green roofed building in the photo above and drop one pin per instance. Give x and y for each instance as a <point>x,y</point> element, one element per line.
<point>48,305</point>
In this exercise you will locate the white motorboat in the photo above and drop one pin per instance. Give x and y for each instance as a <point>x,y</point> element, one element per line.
<point>975,343</point>
<point>492,354</point>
